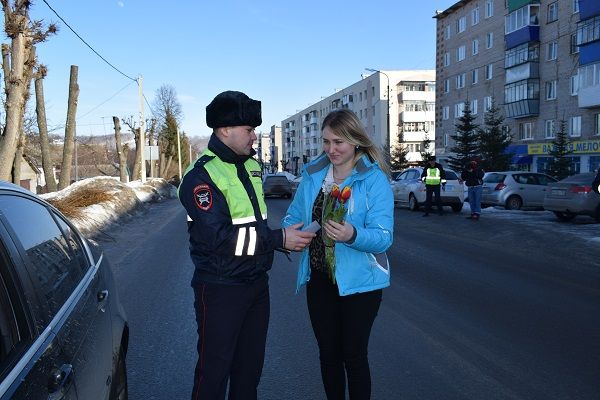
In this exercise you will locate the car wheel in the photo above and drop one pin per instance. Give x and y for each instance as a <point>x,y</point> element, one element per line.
<point>564,216</point>
<point>413,204</point>
<point>457,207</point>
<point>118,389</point>
<point>514,203</point>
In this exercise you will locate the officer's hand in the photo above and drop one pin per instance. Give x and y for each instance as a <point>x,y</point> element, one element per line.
<point>295,239</point>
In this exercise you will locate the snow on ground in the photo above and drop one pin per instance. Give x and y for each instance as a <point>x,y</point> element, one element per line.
<point>582,227</point>
<point>128,200</point>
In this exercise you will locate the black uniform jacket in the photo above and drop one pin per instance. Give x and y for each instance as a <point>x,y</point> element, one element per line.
<point>213,237</point>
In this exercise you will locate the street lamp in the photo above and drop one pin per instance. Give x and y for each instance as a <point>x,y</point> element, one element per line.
<point>389,143</point>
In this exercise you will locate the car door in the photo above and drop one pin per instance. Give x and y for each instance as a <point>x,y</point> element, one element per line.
<point>544,181</point>
<point>533,195</point>
<point>70,291</point>
<point>399,188</point>
<point>33,365</point>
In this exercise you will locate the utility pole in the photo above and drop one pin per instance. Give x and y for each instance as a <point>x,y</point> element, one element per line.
<point>191,159</point>
<point>142,127</point>
<point>179,152</point>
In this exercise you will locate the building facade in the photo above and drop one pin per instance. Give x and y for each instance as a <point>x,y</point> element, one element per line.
<point>539,61</point>
<point>408,115</point>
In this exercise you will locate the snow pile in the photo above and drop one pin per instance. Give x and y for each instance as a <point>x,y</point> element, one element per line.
<point>125,200</point>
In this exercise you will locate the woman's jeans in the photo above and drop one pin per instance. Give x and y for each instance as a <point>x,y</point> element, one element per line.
<point>475,198</point>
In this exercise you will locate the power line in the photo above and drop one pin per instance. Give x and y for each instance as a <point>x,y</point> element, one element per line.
<point>91,48</point>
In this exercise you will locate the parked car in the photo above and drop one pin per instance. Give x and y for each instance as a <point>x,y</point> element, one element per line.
<point>573,196</point>
<point>515,189</point>
<point>409,190</point>
<point>63,331</point>
<point>277,185</point>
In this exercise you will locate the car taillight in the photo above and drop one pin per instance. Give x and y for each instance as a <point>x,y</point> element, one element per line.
<point>500,186</point>
<point>580,189</point>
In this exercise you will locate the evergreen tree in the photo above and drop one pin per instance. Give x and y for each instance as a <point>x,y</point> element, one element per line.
<point>560,166</point>
<point>493,141</point>
<point>398,160</point>
<point>426,151</point>
<point>466,140</point>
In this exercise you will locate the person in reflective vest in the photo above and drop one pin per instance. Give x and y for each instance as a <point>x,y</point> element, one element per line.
<point>231,247</point>
<point>433,176</point>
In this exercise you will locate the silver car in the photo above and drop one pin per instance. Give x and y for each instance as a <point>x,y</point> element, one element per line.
<point>515,189</point>
<point>409,190</point>
<point>573,196</point>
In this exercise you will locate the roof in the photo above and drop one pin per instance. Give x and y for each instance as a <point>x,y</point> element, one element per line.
<point>456,6</point>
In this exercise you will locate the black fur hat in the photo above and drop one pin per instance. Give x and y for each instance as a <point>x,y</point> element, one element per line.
<point>232,108</point>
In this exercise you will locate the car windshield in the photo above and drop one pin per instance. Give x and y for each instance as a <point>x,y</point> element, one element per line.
<point>494,178</point>
<point>451,175</point>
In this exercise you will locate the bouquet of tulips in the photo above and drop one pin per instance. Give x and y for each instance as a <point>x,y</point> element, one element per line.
<point>333,209</point>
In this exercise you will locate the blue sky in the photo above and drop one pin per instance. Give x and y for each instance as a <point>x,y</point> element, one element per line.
<point>288,54</point>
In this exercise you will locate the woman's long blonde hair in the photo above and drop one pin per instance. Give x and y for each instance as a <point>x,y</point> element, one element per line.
<point>345,124</point>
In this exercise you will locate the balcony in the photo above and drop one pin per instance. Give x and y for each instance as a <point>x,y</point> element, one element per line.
<point>416,96</point>
<point>414,116</point>
<point>314,120</point>
<point>588,8</point>
<point>523,71</point>
<point>589,97</point>
<point>530,33</point>
<point>522,108</point>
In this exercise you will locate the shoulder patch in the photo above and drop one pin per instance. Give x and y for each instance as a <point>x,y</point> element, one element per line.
<point>203,197</point>
<point>255,174</point>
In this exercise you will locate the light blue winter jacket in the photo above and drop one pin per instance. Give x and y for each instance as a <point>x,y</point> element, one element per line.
<point>363,265</point>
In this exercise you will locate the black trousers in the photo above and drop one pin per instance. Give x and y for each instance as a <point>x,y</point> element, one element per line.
<point>342,326</point>
<point>232,331</point>
<point>431,189</point>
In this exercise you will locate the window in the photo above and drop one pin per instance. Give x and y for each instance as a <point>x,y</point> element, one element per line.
<point>55,266</point>
<point>446,85</point>
<point>597,124</point>
<point>574,85</point>
<point>489,71</point>
<point>489,8</point>
<point>521,54</point>
<point>487,103</point>
<point>460,81</point>
<point>474,76</point>
<point>588,30</point>
<point>445,112</point>
<point>524,16</point>
<point>551,90</point>
<point>574,47</point>
<point>551,50</point>
<point>522,90</point>
<point>359,97</point>
<point>447,32</point>
<point>489,40</point>
<point>475,47</point>
<point>459,109</point>
<point>526,130</point>
<point>461,24</point>
<point>446,59</point>
<point>549,129</point>
<point>461,53</point>
<point>474,107</point>
<point>552,12</point>
<point>589,75</point>
<point>475,16</point>
<point>446,141</point>
<point>575,126</point>
<point>575,6</point>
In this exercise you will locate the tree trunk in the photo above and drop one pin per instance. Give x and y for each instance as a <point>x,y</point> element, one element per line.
<point>16,94</point>
<point>70,130</point>
<point>137,165</point>
<point>18,158</point>
<point>40,110</point>
<point>120,151</point>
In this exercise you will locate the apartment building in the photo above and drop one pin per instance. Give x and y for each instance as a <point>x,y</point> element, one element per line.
<point>408,115</point>
<point>539,61</point>
<point>268,149</point>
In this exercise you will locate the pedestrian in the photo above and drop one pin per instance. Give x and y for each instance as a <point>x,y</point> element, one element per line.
<point>345,266</point>
<point>473,177</point>
<point>433,176</point>
<point>596,183</point>
<point>232,248</point>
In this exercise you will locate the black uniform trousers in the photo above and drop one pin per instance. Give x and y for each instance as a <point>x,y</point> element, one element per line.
<point>232,332</point>
<point>430,190</point>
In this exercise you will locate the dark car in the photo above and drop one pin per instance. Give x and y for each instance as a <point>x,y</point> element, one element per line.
<point>573,196</point>
<point>63,332</point>
<point>277,185</point>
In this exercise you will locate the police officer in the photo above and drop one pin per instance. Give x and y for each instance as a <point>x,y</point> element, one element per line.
<point>433,176</point>
<point>232,250</point>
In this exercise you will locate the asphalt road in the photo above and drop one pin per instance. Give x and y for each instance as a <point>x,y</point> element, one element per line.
<point>493,309</point>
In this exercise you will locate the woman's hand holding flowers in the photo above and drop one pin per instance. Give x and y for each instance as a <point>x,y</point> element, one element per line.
<point>339,231</point>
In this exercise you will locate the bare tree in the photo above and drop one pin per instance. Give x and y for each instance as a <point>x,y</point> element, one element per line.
<point>40,110</point>
<point>120,151</point>
<point>65,171</point>
<point>167,109</point>
<point>18,63</point>
<point>137,164</point>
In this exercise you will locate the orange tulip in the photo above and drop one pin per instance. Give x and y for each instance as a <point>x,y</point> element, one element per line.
<point>345,195</point>
<point>335,191</point>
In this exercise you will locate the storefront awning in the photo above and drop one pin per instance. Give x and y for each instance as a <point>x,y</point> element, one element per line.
<point>521,159</point>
